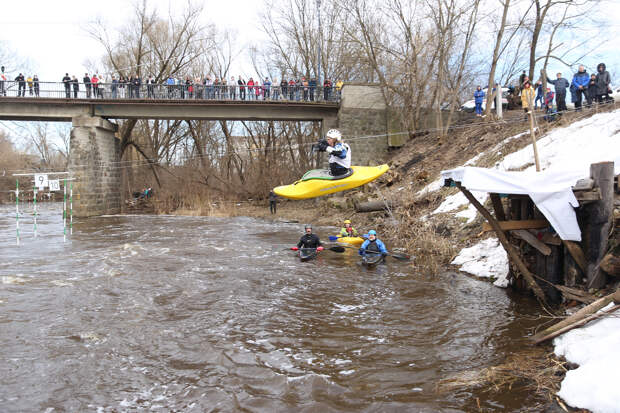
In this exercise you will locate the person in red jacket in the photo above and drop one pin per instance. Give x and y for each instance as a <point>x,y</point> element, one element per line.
<point>250,84</point>
<point>95,83</point>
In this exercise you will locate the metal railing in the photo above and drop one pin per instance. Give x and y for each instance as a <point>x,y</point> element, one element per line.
<point>197,92</point>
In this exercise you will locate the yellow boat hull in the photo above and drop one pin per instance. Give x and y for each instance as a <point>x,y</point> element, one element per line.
<point>355,241</point>
<point>312,188</point>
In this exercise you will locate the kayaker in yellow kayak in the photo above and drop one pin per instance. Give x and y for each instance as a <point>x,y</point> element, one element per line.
<point>347,230</point>
<point>339,152</point>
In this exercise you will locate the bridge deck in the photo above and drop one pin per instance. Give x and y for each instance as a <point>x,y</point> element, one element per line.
<point>63,110</point>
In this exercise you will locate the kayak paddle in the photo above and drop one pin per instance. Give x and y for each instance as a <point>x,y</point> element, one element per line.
<point>397,255</point>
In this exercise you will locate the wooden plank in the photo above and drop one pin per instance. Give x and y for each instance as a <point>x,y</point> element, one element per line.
<point>577,324</point>
<point>546,237</point>
<point>579,315</point>
<point>588,196</point>
<point>513,225</point>
<point>510,250</point>
<point>577,253</point>
<point>532,240</point>
<point>576,294</point>
<point>498,207</point>
<point>525,208</point>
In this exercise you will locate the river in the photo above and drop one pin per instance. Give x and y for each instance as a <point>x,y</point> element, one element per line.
<point>172,313</point>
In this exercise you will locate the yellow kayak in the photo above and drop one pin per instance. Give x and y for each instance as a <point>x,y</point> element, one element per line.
<point>319,182</point>
<point>355,241</point>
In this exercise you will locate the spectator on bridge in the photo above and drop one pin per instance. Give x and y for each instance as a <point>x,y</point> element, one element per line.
<point>217,88</point>
<point>76,86</point>
<point>275,93</point>
<point>94,81</point>
<point>339,85</point>
<point>2,80</point>
<point>603,81</point>
<point>87,85</point>
<point>251,93</point>
<point>327,89</point>
<point>241,84</point>
<point>170,86</point>
<point>561,85</point>
<point>304,84</point>
<point>579,87</point>
<point>30,85</point>
<point>232,88</point>
<point>114,87</point>
<point>208,84</point>
<point>258,89</point>
<point>35,79</point>
<point>267,88</point>
<point>67,81</point>
<point>189,84</point>
<point>291,89</point>
<point>150,87</point>
<point>284,87</point>
<point>122,86</point>
<point>21,85</point>
<point>137,83</point>
<point>312,88</point>
<point>198,88</point>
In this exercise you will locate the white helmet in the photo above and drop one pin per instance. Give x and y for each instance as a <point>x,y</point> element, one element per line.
<point>334,134</point>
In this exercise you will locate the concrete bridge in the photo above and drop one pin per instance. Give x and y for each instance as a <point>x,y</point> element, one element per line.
<point>95,147</point>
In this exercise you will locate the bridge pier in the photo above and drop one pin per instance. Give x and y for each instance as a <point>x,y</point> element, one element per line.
<point>362,113</point>
<point>93,161</point>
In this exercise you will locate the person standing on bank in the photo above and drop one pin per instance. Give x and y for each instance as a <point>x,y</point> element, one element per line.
<point>560,85</point>
<point>273,200</point>
<point>339,153</point>
<point>580,86</point>
<point>527,97</point>
<point>478,98</point>
<point>603,80</point>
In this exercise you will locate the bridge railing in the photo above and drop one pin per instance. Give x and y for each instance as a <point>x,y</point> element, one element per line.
<point>125,91</point>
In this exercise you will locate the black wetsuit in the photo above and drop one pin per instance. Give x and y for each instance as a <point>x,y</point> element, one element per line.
<point>309,241</point>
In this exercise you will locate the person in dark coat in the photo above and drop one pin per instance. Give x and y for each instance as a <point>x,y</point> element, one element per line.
<point>76,86</point>
<point>37,87</point>
<point>273,200</point>
<point>591,91</point>
<point>87,85</point>
<point>579,86</point>
<point>560,85</point>
<point>21,85</point>
<point>67,81</point>
<point>603,80</point>
<point>308,240</point>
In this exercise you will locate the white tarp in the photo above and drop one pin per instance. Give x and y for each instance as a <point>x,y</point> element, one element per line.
<point>550,190</point>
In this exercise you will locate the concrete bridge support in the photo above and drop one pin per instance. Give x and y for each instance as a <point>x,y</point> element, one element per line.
<point>362,113</point>
<point>94,162</point>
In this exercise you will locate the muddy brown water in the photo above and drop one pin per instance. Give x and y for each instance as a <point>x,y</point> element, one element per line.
<point>169,313</point>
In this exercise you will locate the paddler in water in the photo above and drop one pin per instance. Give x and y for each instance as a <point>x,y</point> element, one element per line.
<point>309,240</point>
<point>373,244</point>
<point>347,230</point>
<point>339,153</point>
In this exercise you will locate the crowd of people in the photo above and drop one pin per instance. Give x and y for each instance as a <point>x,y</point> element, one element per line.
<point>208,87</point>
<point>593,88</point>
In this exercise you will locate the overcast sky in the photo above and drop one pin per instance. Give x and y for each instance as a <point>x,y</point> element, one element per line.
<point>51,33</point>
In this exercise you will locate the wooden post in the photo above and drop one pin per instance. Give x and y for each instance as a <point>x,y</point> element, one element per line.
<point>531,116</point>
<point>512,253</point>
<point>599,221</point>
<point>498,207</point>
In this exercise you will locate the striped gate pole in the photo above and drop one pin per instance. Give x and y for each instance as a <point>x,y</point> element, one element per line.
<point>17,210</point>
<point>34,190</point>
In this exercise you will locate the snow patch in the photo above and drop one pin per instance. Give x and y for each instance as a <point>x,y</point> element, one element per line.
<point>486,259</point>
<point>594,384</point>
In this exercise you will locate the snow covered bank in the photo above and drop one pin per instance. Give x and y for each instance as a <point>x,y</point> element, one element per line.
<point>486,259</point>
<point>595,384</point>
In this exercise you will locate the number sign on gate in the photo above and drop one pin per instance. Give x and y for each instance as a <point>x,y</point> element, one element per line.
<point>40,180</point>
<point>54,185</point>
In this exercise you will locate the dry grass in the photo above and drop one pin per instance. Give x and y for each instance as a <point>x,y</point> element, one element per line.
<point>534,371</point>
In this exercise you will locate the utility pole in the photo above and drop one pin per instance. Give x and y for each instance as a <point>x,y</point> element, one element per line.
<point>319,81</point>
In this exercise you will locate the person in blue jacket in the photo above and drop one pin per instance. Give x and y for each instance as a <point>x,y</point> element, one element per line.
<point>373,244</point>
<point>539,95</point>
<point>579,86</point>
<point>478,99</point>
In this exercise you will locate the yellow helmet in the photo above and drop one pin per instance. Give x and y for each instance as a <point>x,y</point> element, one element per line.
<point>347,221</point>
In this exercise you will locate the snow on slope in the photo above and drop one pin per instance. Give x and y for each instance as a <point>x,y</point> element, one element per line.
<point>595,384</point>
